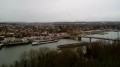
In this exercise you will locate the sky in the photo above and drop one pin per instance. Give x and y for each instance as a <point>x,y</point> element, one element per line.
<point>59,10</point>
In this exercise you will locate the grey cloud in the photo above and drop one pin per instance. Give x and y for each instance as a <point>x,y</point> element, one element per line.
<point>59,10</point>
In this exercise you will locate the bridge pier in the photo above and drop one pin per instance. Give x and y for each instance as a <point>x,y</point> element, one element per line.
<point>115,42</point>
<point>79,38</point>
<point>90,39</point>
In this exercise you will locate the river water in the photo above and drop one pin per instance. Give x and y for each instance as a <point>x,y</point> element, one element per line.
<point>110,35</point>
<point>9,55</point>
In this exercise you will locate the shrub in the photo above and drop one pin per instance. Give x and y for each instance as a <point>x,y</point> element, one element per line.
<point>101,55</point>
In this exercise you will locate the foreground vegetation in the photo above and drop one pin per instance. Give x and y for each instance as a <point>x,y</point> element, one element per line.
<point>97,55</point>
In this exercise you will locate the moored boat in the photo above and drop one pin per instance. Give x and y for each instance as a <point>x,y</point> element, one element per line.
<point>39,42</point>
<point>1,45</point>
<point>35,43</point>
<point>16,43</point>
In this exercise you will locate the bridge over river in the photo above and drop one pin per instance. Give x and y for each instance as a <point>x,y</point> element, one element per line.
<point>101,38</point>
<point>90,38</point>
<point>84,43</point>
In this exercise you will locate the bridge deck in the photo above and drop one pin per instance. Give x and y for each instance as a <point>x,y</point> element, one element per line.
<point>102,38</point>
<point>99,38</point>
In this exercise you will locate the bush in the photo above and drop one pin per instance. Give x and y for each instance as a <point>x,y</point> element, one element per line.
<point>101,55</point>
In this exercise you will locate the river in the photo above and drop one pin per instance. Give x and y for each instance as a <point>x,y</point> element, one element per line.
<point>110,35</point>
<point>9,55</point>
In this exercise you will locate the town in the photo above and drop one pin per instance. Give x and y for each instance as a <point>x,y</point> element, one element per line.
<point>60,36</point>
<point>13,33</point>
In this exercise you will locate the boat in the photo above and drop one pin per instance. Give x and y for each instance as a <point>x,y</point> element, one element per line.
<point>116,30</point>
<point>1,45</point>
<point>102,33</point>
<point>39,42</point>
<point>35,43</point>
<point>16,43</point>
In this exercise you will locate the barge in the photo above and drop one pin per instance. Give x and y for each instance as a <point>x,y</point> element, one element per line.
<point>16,43</point>
<point>39,42</point>
<point>73,45</point>
<point>1,45</point>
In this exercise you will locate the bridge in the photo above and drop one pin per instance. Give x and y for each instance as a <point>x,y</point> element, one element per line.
<point>90,38</point>
<point>84,43</point>
<point>102,38</point>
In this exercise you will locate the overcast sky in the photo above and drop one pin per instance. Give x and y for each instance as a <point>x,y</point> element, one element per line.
<point>59,10</point>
